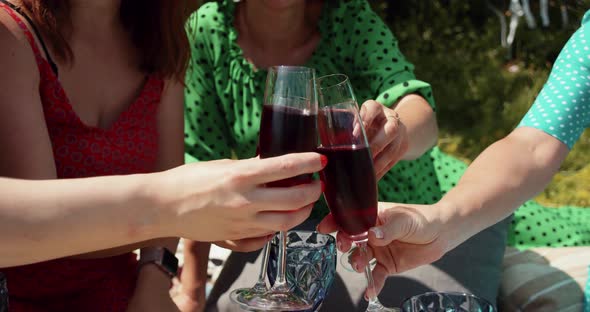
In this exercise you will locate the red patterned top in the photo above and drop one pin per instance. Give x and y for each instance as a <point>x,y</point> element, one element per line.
<point>128,146</point>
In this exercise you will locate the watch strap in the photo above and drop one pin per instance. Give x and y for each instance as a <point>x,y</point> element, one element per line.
<point>163,258</point>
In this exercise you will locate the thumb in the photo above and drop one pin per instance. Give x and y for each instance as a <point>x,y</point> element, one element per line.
<point>390,230</point>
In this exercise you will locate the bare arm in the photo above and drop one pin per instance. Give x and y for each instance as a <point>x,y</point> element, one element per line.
<point>504,176</point>
<point>47,219</point>
<point>23,132</point>
<point>420,124</point>
<point>194,276</point>
<point>60,218</point>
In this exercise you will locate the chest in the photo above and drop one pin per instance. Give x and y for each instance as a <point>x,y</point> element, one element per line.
<point>127,145</point>
<point>264,58</point>
<point>102,82</point>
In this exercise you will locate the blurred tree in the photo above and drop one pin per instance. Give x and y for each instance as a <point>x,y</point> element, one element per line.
<point>482,89</point>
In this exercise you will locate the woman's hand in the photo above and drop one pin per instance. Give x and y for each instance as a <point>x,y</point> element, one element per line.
<point>386,133</point>
<point>406,236</point>
<point>227,200</point>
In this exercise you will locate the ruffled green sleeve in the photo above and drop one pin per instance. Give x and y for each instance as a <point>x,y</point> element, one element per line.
<point>372,55</point>
<point>206,132</point>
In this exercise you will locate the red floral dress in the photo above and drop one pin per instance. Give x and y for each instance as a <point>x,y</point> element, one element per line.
<point>128,146</point>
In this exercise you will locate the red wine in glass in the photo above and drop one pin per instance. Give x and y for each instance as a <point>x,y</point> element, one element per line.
<point>288,125</point>
<point>349,177</point>
<point>350,187</point>
<point>285,130</point>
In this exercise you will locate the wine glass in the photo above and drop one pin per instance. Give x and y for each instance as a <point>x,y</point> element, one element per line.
<point>287,125</point>
<point>241,295</point>
<point>349,178</point>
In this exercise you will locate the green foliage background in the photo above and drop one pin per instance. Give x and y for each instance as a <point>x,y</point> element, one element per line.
<point>482,92</point>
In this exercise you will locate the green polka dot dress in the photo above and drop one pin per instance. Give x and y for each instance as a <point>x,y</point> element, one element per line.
<point>562,109</point>
<point>224,96</point>
<point>224,93</point>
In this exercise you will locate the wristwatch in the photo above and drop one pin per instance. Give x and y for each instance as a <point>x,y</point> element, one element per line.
<point>165,260</point>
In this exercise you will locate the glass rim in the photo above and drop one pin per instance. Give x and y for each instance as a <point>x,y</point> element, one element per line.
<point>291,68</point>
<point>344,81</point>
<point>330,240</point>
<point>452,293</point>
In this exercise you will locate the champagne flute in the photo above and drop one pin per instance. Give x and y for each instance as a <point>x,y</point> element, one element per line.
<point>349,177</point>
<point>288,125</point>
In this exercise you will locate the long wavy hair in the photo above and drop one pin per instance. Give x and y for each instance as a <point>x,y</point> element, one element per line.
<point>156,28</point>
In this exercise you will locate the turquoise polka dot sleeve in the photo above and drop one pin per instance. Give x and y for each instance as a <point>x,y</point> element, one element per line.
<point>374,56</point>
<point>562,108</point>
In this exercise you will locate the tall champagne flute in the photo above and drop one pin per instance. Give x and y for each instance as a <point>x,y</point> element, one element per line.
<point>349,177</point>
<point>288,125</point>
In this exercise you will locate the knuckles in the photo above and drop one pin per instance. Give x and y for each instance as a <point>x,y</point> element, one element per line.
<point>287,165</point>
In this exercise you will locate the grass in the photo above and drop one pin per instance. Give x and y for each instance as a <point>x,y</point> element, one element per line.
<point>482,94</point>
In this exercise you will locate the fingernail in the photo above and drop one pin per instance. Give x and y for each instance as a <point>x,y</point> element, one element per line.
<point>366,297</point>
<point>378,233</point>
<point>323,160</point>
<point>356,266</point>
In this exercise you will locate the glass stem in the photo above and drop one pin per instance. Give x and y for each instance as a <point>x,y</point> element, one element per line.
<point>374,304</point>
<point>281,282</point>
<point>261,283</point>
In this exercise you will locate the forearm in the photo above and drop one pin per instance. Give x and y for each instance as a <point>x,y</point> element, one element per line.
<point>67,217</point>
<point>420,122</point>
<point>501,179</point>
<point>194,272</point>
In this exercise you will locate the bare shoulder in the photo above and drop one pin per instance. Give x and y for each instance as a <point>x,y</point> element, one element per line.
<point>17,59</point>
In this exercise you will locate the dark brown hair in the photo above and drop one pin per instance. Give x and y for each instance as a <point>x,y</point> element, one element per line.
<point>156,28</point>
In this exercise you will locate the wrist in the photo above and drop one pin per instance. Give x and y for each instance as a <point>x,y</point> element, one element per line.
<point>151,275</point>
<point>196,293</point>
<point>457,223</point>
<point>136,205</point>
<point>160,206</point>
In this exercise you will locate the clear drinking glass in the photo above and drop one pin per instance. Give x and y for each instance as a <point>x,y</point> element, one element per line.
<point>446,302</point>
<point>287,125</point>
<point>349,177</point>
<point>311,264</point>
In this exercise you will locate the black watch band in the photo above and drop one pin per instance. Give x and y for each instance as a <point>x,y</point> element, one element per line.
<point>162,258</point>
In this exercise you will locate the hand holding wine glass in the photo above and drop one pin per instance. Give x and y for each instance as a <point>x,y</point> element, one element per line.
<point>288,125</point>
<point>349,177</point>
<point>202,196</point>
<point>386,133</point>
<point>405,237</point>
